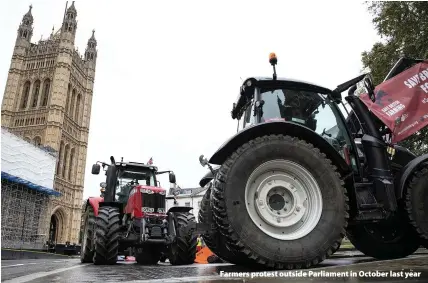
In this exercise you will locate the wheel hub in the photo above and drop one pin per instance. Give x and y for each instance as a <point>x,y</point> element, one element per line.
<point>278,202</point>
<point>283,199</point>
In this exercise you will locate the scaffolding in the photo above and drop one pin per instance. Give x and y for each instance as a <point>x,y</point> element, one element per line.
<point>24,216</point>
<point>27,176</point>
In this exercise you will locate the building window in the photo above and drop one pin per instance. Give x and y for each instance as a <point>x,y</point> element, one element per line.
<point>38,141</point>
<point>25,95</point>
<point>187,204</point>
<point>36,94</point>
<point>46,92</point>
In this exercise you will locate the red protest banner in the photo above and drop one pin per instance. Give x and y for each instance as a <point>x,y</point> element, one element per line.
<point>402,102</point>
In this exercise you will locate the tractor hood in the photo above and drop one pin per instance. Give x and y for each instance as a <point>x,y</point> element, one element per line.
<point>151,190</point>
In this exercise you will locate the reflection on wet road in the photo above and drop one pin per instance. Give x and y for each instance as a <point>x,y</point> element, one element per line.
<point>72,271</point>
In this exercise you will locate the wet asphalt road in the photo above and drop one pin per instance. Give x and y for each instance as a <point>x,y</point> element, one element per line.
<point>72,271</point>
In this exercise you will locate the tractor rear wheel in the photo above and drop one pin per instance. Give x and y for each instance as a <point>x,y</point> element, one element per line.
<point>87,253</point>
<point>214,240</point>
<point>389,239</point>
<point>416,199</point>
<point>183,250</point>
<point>107,229</point>
<point>148,255</point>
<point>276,197</point>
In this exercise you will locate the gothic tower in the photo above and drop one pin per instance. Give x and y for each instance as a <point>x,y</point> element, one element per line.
<point>47,101</point>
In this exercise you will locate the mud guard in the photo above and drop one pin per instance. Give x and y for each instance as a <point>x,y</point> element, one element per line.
<point>95,203</point>
<point>179,209</point>
<point>406,172</point>
<point>282,128</point>
<point>208,177</point>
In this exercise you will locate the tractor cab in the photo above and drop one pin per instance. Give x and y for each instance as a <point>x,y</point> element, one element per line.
<point>127,180</point>
<point>263,100</point>
<point>134,186</point>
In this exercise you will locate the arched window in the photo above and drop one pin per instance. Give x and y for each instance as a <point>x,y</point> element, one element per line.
<point>73,101</point>
<point>64,164</point>
<point>58,165</point>
<point>46,90</point>
<point>70,167</point>
<point>36,91</point>
<point>67,104</point>
<point>76,117</point>
<point>38,141</point>
<point>25,94</point>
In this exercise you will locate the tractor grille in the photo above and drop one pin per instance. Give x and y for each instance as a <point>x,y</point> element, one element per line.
<point>155,202</point>
<point>156,232</point>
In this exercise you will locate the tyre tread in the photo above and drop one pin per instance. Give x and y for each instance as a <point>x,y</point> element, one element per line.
<point>107,236</point>
<point>221,217</point>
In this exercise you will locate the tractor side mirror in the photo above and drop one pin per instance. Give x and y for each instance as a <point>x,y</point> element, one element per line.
<point>103,185</point>
<point>172,178</point>
<point>96,169</point>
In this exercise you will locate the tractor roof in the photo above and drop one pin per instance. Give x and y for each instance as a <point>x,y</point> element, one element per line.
<point>268,82</point>
<point>286,83</point>
<point>136,166</point>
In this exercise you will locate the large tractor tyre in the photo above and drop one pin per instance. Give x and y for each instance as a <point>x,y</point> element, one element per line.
<point>390,239</point>
<point>87,253</point>
<point>416,202</point>
<point>214,240</point>
<point>282,202</point>
<point>148,255</point>
<point>183,250</point>
<point>107,230</point>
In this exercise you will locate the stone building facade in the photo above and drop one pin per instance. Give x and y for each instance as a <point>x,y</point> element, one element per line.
<point>47,100</point>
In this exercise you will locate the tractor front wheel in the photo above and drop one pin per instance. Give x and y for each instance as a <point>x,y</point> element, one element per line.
<point>280,201</point>
<point>106,236</point>
<point>86,253</point>
<point>417,203</point>
<point>384,240</point>
<point>214,240</point>
<point>183,250</point>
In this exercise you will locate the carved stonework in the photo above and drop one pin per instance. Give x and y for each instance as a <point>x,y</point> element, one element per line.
<point>59,118</point>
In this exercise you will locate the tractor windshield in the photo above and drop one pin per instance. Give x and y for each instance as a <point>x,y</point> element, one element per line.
<point>310,109</point>
<point>128,179</point>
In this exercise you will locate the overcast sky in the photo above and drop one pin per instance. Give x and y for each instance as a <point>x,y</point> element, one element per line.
<point>168,71</point>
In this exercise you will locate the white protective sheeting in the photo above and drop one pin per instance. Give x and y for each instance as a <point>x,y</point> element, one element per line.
<point>24,160</point>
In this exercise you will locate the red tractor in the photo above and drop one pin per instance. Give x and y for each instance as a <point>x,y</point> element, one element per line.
<point>131,216</point>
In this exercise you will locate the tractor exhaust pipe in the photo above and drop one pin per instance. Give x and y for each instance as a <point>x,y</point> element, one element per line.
<point>110,192</point>
<point>376,154</point>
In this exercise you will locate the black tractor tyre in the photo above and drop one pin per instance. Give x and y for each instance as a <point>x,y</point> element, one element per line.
<point>214,240</point>
<point>416,203</point>
<point>107,233</point>
<point>385,240</point>
<point>149,255</point>
<point>244,236</point>
<point>87,253</point>
<point>183,250</point>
